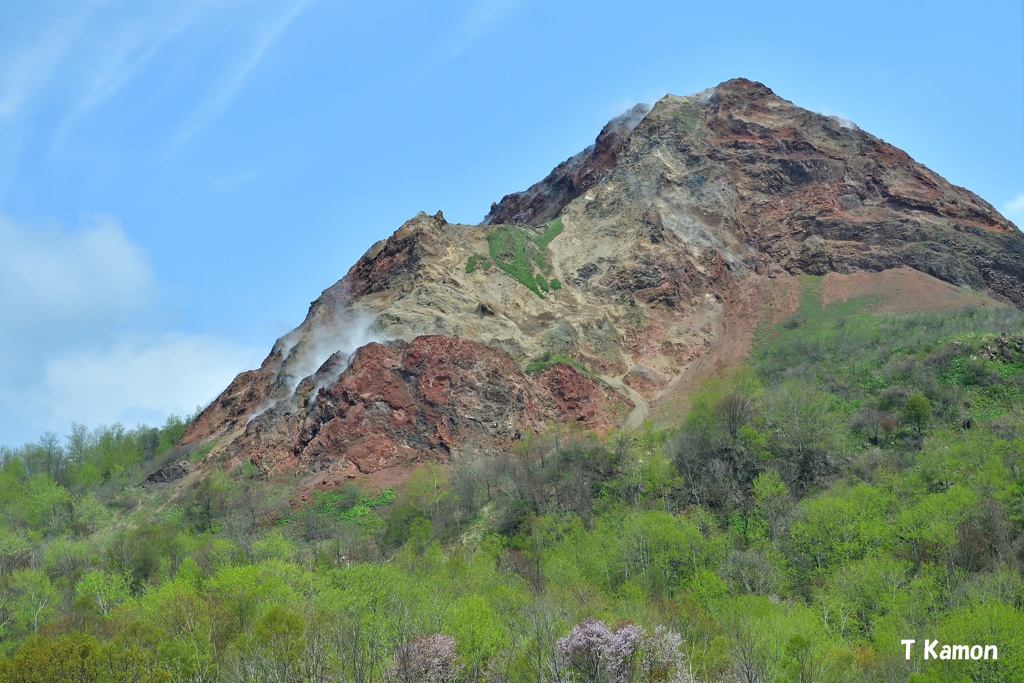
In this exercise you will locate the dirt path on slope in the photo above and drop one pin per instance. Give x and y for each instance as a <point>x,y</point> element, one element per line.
<point>641,407</point>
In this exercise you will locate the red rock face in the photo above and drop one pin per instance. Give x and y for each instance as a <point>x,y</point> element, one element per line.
<point>427,400</point>
<point>578,399</point>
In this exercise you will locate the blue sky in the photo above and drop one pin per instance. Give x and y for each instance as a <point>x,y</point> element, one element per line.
<point>178,180</point>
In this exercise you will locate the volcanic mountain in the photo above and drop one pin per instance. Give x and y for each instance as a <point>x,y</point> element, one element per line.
<point>601,292</point>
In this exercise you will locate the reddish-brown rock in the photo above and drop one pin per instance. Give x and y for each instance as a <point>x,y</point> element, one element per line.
<point>581,400</point>
<point>400,403</point>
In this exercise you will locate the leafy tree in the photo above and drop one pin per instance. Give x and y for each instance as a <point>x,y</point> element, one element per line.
<point>173,429</point>
<point>89,514</point>
<point>773,501</point>
<point>79,658</point>
<point>273,546</point>
<point>987,623</point>
<point>66,558</point>
<point>481,636</point>
<point>917,410</point>
<point>104,589</point>
<point>843,525</point>
<point>79,444</point>
<point>46,506</point>
<point>50,457</point>
<point>860,593</point>
<point>34,598</point>
<point>14,549</point>
<point>275,650</point>
<point>208,501</point>
<point>182,626</point>
<point>928,526</point>
<point>147,552</point>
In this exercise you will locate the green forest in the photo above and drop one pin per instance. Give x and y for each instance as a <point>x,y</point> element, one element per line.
<point>858,482</point>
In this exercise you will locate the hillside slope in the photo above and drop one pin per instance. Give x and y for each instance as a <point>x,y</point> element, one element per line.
<point>637,259</point>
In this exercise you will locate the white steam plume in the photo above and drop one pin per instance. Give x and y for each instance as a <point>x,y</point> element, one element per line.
<point>322,349</point>
<point>343,333</point>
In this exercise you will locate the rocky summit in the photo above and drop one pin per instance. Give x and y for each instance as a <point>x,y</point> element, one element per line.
<point>596,295</point>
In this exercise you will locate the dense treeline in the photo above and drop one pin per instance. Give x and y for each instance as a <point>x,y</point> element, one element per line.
<point>858,484</point>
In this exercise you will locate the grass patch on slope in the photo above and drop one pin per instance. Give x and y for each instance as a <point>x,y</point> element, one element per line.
<point>547,359</point>
<point>521,252</point>
<point>349,503</point>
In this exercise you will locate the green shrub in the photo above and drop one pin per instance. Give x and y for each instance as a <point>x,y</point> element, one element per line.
<point>552,230</point>
<point>521,253</point>
<point>547,359</point>
<point>918,410</point>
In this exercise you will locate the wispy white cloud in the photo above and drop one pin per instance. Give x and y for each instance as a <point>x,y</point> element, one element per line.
<point>72,58</point>
<point>31,57</point>
<point>225,93</point>
<point>142,378</point>
<point>120,51</point>
<point>482,17</point>
<point>68,351</point>
<point>50,277</point>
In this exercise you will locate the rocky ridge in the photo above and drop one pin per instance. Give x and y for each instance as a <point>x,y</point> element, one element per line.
<point>623,260</point>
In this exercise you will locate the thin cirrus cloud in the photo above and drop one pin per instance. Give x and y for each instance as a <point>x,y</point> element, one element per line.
<point>226,92</point>
<point>61,62</point>
<point>68,349</point>
<point>120,50</point>
<point>76,57</point>
<point>30,59</point>
<point>483,16</point>
<point>236,181</point>
<point>81,54</point>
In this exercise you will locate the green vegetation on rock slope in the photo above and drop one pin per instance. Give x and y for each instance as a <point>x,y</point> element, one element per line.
<point>806,515</point>
<point>521,252</point>
<point>548,359</point>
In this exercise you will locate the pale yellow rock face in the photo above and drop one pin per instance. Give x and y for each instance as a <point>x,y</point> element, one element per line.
<point>610,332</point>
<point>642,260</point>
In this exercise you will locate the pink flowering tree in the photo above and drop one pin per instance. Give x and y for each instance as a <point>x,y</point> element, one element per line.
<point>428,659</point>
<point>594,653</point>
<point>661,660</point>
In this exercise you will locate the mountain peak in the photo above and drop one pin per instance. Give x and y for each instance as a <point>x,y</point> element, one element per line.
<point>590,296</point>
<point>744,87</point>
